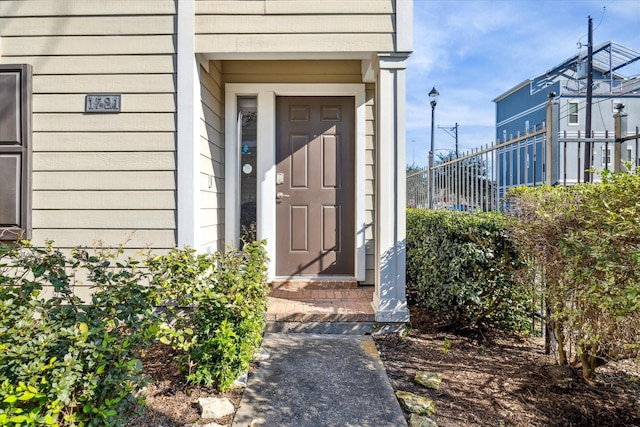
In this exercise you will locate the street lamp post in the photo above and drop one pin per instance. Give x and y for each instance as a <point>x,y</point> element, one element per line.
<point>434,101</point>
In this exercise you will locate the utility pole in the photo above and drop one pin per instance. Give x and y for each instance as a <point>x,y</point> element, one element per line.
<point>457,185</point>
<point>454,129</point>
<point>587,121</point>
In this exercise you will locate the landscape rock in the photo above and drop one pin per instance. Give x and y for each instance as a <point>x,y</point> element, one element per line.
<point>203,425</point>
<point>415,404</point>
<point>262,355</point>
<point>428,380</point>
<point>421,421</point>
<point>214,407</point>
<point>241,381</point>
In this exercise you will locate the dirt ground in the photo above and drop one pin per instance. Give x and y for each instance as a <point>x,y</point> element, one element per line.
<point>171,402</point>
<point>501,381</point>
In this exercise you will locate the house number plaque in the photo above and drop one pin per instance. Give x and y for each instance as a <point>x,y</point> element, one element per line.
<point>102,103</point>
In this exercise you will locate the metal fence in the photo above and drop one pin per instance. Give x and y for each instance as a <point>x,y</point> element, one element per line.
<point>479,179</point>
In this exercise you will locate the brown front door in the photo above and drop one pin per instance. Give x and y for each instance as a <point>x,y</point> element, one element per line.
<point>315,185</point>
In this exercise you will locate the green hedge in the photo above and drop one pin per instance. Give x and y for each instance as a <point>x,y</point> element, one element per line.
<point>216,309</point>
<point>585,240</point>
<point>464,267</point>
<point>67,362</point>
<point>62,361</point>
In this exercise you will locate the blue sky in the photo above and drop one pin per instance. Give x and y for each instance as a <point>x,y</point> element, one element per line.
<point>473,51</point>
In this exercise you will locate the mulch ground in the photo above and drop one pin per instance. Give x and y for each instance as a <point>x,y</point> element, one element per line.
<point>507,381</point>
<point>486,381</point>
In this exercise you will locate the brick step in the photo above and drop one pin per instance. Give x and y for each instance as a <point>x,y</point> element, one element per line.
<point>297,284</point>
<point>321,305</point>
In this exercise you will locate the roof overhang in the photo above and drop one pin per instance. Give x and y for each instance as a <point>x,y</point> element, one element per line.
<point>513,90</point>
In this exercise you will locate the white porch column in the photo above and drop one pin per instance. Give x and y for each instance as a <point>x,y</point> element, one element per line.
<point>390,296</point>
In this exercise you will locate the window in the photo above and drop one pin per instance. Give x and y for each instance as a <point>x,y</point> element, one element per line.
<point>606,157</point>
<point>573,113</point>
<point>15,152</point>
<point>629,154</point>
<point>247,133</point>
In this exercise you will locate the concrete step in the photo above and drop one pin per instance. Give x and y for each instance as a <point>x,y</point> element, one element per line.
<point>334,328</point>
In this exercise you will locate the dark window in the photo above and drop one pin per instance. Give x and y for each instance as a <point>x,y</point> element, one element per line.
<point>15,152</point>
<point>573,113</point>
<point>248,126</point>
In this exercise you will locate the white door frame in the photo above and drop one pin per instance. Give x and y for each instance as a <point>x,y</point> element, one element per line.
<point>266,94</point>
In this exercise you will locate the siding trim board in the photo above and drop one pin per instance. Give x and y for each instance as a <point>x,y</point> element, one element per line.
<point>188,84</point>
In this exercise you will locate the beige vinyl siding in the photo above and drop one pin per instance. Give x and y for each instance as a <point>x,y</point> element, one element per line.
<point>306,24</point>
<point>88,161</point>
<point>103,141</point>
<point>87,25</point>
<point>86,65</point>
<point>108,199</point>
<point>296,7</point>
<point>108,178</point>
<point>101,180</point>
<point>212,158</point>
<point>294,26</point>
<point>85,8</point>
<point>370,185</point>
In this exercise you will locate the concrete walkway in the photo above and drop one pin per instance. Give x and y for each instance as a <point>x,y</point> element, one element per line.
<point>319,381</point>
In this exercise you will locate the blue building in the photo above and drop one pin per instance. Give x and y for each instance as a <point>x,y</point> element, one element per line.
<point>522,111</point>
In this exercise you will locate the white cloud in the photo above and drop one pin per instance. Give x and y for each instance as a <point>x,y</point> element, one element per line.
<point>473,51</point>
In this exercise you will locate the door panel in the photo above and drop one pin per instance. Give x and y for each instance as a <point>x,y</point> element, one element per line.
<point>299,228</point>
<point>299,161</point>
<point>315,206</point>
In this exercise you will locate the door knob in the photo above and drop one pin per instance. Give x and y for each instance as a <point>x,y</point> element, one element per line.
<point>280,195</point>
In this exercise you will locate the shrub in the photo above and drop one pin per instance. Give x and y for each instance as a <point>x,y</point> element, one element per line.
<point>586,243</point>
<point>215,309</point>
<point>463,267</point>
<point>64,362</point>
